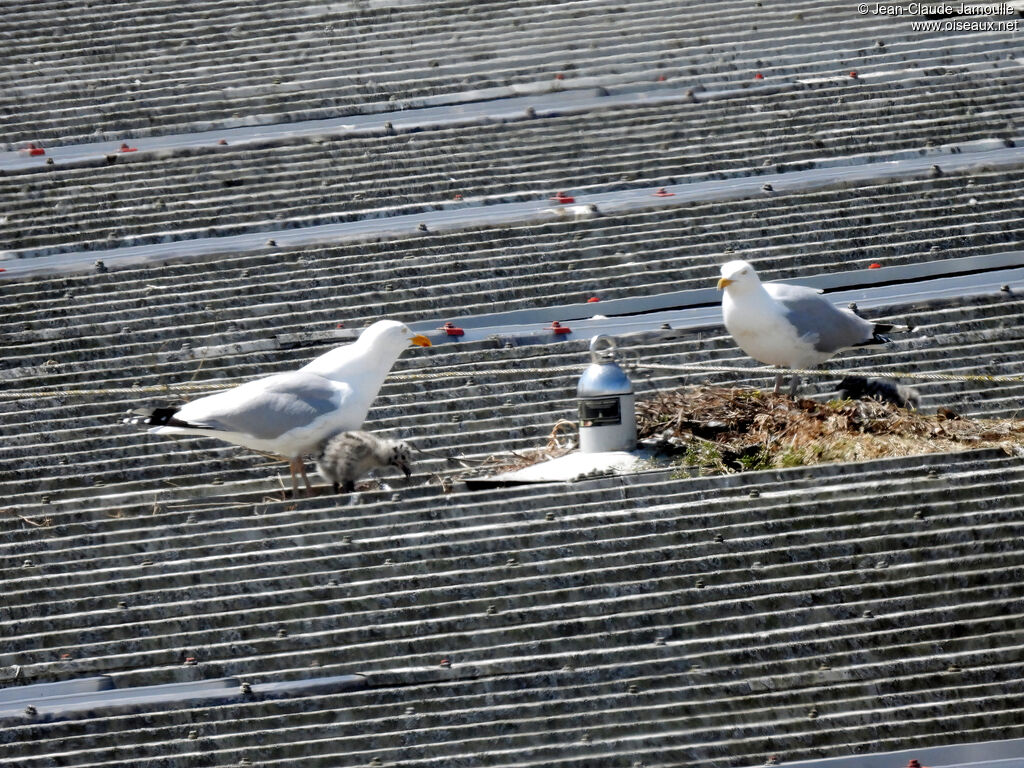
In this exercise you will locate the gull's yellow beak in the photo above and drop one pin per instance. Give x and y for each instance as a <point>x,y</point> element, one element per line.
<point>723,282</point>
<point>420,341</point>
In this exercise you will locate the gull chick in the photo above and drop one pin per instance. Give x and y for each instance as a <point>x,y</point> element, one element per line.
<point>884,390</point>
<point>789,326</point>
<point>348,457</point>
<point>291,414</point>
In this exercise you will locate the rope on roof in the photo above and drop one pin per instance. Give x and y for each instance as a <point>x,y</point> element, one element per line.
<point>211,386</point>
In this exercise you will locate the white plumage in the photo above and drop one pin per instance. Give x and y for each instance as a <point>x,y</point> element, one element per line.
<point>789,326</point>
<point>291,414</point>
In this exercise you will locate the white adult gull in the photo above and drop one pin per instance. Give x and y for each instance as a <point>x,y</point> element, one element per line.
<point>291,414</point>
<point>789,326</point>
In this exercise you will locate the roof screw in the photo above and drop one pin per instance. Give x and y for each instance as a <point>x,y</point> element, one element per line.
<point>772,760</point>
<point>26,564</point>
<point>282,632</point>
<point>332,582</point>
<point>1004,288</point>
<point>953,668</point>
<point>245,688</point>
<point>31,711</point>
<point>933,474</point>
<point>767,187</point>
<point>100,266</point>
<point>190,661</point>
<point>659,640</point>
<point>388,561</point>
<point>396,497</point>
<point>531,112</point>
<point>754,494</point>
<point>634,688</point>
<point>511,561</point>
<point>719,538</point>
<point>346,539</point>
<point>812,713</point>
<point>217,481</point>
<point>191,519</point>
<point>666,326</point>
<point>868,614</point>
<point>45,498</point>
<point>446,663</point>
<point>700,583</point>
<point>122,604</point>
<point>934,172</point>
<point>376,761</point>
<point>271,243</point>
<point>919,514</point>
<point>422,227</point>
<point>882,564</point>
<point>49,161</point>
<point>314,663</point>
<point>548,516</point>
<point>491,610</point>
<point>193,734</point>
<point>244,761</point>
<point>756,564</point>
<point>824,666</point>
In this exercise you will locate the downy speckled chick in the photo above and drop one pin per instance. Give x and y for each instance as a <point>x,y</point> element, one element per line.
<point>349,456</point>
<point>886,390</point>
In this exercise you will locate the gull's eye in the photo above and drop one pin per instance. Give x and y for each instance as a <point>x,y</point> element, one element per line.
<point>743,272</point>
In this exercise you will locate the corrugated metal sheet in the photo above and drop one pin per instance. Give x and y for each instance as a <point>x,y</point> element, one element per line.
<point>648,620</point>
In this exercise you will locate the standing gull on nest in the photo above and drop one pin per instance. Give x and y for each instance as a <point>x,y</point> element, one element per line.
<point>291,414</point>
<point>789,326</point>
<point>347,457</point>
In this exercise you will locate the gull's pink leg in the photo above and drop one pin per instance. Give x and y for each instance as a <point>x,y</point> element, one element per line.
<point>302,470</point>
<point>295,482</point>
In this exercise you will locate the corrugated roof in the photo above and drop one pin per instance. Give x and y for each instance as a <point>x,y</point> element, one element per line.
<point>657,619</point>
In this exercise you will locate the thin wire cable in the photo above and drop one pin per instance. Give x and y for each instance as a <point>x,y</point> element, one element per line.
<point>184,388</point>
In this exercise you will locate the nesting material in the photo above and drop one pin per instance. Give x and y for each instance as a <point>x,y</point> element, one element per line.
<point>718,430</point>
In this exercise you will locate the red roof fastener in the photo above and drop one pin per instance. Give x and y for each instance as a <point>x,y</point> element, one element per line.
<point>125,148</point>
<point>557,328</point>
<point>874,265</point>
<point>662,78</point>
<point>458,196</point>
<point>452,330</point>
<point>445,663</point>
<point>190,661</point>
<point>223,142</point>
<point>662,192</point>
<point>559,76</point>
<point>561,197</point>
<point>33,149</point>
<point>853,74</point>
<point>759,76</point>
<point>592,299</point>
<point>914,764</point>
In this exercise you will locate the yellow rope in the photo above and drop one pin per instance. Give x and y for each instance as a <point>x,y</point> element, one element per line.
<point>171,389</point>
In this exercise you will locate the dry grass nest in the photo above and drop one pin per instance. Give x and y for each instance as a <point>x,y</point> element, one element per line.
<point>714,430</point>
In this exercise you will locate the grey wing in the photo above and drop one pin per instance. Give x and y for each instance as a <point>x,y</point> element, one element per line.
<point>817,318</point>
<point>267,408</point>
